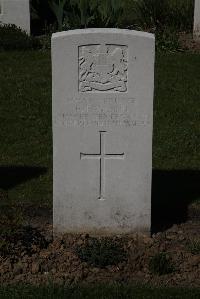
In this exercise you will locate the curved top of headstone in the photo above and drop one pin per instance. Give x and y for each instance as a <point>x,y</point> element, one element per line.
<point>103,31</point>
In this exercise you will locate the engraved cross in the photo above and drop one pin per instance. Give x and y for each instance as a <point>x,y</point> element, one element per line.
<point>102,156</point>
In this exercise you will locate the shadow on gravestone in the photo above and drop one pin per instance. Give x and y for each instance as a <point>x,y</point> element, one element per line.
<point>172,192</point>
<point>10,176</point>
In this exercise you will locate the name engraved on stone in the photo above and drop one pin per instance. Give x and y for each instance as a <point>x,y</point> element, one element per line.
<point>87,112</point>
<point>103,68</point>
<point>102,156</point>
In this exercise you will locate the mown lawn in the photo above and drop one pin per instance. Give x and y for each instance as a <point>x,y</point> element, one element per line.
<point>25,135</point>
<point>97,292</point>
<point>26,132</point>
<point>177,112</point>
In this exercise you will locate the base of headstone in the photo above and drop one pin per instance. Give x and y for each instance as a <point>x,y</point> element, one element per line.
<point>196,30</point>
<point>101,232</point>
<point>196,35</point>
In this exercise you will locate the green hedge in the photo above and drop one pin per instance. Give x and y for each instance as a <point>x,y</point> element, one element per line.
<point>13,38</point>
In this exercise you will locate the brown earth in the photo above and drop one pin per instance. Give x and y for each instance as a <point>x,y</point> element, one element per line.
<point>30,255</point>
<point>188,43</point>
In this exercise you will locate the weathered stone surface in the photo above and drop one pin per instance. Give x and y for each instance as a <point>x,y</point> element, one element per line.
<point>197,20</point>
<point>16,12</point>
<point>103,82</point>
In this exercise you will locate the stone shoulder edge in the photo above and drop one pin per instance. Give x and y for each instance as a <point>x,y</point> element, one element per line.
<point>102,31</point>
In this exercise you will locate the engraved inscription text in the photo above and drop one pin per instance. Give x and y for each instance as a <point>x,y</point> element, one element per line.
<point>101,113</point>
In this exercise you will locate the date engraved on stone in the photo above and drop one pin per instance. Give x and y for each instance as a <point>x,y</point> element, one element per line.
<point>103,68</point>
<point>103,113</point>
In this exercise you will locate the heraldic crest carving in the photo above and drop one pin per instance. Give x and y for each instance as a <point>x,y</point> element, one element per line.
<point>103,68</point>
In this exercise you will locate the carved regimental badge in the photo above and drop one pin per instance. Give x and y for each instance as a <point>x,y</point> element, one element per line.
<point>103,68</point>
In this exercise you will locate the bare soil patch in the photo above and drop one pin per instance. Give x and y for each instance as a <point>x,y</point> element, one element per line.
<point>189,43</point>
<point>30,255</point>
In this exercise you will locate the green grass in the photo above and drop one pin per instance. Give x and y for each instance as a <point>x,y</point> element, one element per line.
<point>177,112</point>
<point>25,117</point>
<point>97,292</point>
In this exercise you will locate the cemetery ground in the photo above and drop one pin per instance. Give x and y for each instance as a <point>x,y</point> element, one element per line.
<point>171,258</point>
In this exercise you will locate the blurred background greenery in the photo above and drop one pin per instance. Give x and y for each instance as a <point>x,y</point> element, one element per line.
<point>166,19</point>
<point>147,15</point>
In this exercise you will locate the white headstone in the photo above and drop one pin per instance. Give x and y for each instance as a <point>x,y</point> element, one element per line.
<point>103,81</point>
<point>16,12</point>
<point>197,20</point>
